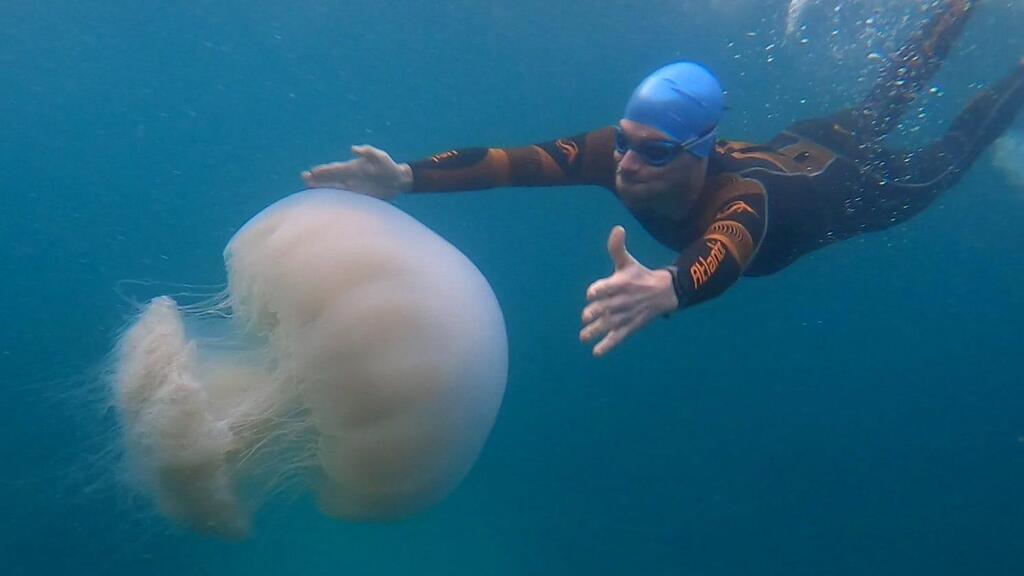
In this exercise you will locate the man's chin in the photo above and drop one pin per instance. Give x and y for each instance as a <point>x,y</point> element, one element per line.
<point>636,192</point>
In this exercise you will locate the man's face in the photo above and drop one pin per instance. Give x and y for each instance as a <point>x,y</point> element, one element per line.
<point>672,187</point>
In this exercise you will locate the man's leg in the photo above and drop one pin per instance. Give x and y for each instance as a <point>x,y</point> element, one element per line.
<point>983,120</point>
<point>909,70</point>
<point>908,181</point>
<point>856,132</point>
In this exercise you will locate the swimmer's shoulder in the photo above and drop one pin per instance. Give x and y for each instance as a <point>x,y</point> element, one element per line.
<point>787,155</point>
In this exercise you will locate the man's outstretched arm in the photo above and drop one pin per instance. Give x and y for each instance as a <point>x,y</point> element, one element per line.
<point>584,159</point>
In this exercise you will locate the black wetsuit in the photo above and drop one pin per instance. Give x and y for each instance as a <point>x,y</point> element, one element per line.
<point>763,206</point>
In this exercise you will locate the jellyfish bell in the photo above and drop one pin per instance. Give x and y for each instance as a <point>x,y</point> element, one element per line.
<point>370,344</point>
<point>394,339</point>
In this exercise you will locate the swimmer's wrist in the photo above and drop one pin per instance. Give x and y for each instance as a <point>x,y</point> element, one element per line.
<point>677,286</point>
<point>405,179</point>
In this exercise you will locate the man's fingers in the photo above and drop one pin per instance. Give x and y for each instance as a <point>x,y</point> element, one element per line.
<point>601,325</point>
<point>321,175</point>
<point>617,248</point>
<point>611,340</point>
<point>606,321</point>
<point>589,314</point>
<point>612,306</point>
<point>332,173</point>
<point>616,336</point>
<point>323,169</point>
<point>593,330</point>
<point>369,153</point>
<point>348,172</point>
<point>601,289</point>
<point>622,329</point>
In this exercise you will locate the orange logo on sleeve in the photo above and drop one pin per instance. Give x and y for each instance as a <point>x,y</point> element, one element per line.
<point>705,267</point>
<point>570,149</point>
<point>737,207</point>
<point>436,158</point>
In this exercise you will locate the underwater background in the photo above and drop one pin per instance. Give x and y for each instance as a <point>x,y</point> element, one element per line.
<point>860,412</point>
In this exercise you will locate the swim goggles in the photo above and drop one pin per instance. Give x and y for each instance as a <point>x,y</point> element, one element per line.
<point>656,152</point>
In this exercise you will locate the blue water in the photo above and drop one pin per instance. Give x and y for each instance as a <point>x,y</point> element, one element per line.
<point>860,412</point>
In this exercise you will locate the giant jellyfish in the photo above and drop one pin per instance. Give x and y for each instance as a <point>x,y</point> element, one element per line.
<point>354,349</point>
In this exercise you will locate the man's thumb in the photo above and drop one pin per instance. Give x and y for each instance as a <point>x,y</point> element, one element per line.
<point>617,248</point>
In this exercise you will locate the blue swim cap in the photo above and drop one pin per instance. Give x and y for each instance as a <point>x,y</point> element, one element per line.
<point>684,100</point>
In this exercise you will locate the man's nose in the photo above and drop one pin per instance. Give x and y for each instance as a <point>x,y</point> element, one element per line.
<point>630,162</point>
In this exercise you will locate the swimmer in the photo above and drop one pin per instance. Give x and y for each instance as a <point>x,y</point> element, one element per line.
<point>728,208</point>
